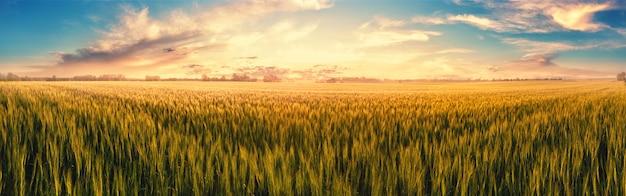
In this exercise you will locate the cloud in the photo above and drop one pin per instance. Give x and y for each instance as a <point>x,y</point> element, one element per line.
<point>621,31</point>
<point>533,62</point>
<point>540,60</point>
<point>109,54</point>
<point>289,32</point>
<point>570,15</point>
<point>281,31</point>
<point>541,66</point>
<point>532,47</point>
<point>139,40</point>
<point>483,23</point>
<point>578,18</point>
<point>514,23</point>
<point>439,66</point>
<point>530,16</point>
<point>168,50</point>
<point>246,39</point>
<point>192,66</point>
<point>428,20</point>
<point>382,32</point>
<point>382,38</point>
<point>443,52</point>
<point>94,18</point>
<point>195,69</point>
<point>383,23</point>
<point>305,55</point>
<point>455,50</point>
<point>540,56</point>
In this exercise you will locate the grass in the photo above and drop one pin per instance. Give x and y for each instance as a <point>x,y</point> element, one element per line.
<point>199,138</point>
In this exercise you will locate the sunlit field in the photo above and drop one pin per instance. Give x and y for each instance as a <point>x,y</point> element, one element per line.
<point>227,138</point>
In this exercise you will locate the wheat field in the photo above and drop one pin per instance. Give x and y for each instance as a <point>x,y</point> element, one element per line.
<point>213,138</point>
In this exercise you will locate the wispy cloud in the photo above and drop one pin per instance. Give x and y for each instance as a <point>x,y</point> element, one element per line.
<point>529,63</point>
<point>382,31</point>
<point>534,61</point>
<point>195,69</point>
<point>481,22</point>
<point>621,31</point>
<point>381,22</point>
<point>290,32</point>
<point>428,20</point>
<point>443,52</point>
<point>530,16</point>
<point>530,46</point>
<point>381,38</point>
<point>513,23</point>
<point>570,15</point>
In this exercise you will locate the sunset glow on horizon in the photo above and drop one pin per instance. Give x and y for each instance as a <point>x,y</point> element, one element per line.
<point>311,39</point>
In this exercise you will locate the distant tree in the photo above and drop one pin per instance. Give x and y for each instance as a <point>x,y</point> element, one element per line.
<point>85,78</point>
<point>12,77</point>
<point>112,77</point>
<point>153,78</point>
<point>621,76</point>
<point>2,77</point>
<point>205,77</point>
<point>271,78</point>
<point>240,77</point>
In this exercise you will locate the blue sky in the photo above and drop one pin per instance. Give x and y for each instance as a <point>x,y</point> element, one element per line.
<point>313,39</point>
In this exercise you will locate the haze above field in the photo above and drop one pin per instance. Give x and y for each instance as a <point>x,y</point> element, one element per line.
<point>312,39</point>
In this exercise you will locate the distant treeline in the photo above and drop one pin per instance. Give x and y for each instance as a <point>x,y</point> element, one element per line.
<point>9,77</point>
<point>106,77</point>
<point>238,77</point>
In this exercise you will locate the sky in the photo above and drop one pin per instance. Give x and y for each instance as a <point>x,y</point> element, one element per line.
<point>314,39</point>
